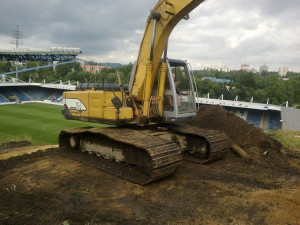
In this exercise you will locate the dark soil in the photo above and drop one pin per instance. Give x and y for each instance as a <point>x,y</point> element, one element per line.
<point>46,187</point>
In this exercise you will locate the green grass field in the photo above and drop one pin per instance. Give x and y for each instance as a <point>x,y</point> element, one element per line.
<point>38,123</point>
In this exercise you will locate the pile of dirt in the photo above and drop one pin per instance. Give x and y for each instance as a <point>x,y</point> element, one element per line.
<point>259,145</point>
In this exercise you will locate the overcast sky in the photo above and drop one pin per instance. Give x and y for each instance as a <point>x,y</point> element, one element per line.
<point>219,32</point>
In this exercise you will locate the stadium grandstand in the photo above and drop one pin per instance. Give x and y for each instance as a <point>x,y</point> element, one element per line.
<point>14,91</point>
<point>265,116</point>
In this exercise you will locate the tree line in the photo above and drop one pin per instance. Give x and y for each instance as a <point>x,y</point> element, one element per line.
<point>265,87</point>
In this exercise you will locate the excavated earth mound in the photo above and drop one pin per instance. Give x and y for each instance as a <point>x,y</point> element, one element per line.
<point>260,146</point>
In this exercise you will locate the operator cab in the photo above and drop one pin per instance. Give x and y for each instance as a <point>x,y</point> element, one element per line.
<point>179,98</point>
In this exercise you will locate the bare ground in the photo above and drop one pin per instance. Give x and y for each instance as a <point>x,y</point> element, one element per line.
<point>46,188</point>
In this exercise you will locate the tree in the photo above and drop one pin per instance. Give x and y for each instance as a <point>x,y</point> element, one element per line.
<point>5,66</point>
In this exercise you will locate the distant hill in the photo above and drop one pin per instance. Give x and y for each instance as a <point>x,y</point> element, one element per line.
<point>112,65</point>
<point>108,64</point>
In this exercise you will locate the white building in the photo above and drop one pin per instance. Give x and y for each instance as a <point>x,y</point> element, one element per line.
<point>245,67</point>
<point>224,69</point>
<point>283,71</point>
<point>94,69</point>
<point>221,69</point>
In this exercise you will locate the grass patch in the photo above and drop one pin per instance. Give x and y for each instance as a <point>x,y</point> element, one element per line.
<point>35,122</point>
<point>289,139</point>
<point>87,190</point>
<point>17,138</point>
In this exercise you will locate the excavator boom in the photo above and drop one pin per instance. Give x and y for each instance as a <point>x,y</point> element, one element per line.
<point>160,23</point>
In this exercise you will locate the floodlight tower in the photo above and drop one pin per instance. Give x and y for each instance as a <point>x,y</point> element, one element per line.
<point>17,36</point>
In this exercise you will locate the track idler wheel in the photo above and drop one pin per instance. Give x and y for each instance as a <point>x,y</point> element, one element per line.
<point>197,147</point>
<point>74,141</point>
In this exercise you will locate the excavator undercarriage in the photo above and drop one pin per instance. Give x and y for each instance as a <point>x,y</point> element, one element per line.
<point>142,156</point>
<point>133,152</point>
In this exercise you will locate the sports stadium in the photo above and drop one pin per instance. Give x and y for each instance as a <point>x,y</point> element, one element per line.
<point>32,111</point>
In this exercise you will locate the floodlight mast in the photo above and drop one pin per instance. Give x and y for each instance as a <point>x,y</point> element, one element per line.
<point>17,35</point>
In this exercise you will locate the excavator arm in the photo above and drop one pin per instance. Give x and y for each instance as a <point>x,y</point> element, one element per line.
<point>160,23</point>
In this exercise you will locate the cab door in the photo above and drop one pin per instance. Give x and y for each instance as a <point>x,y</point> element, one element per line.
<point>179,98</point>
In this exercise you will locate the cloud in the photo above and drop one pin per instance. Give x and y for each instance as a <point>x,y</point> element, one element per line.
<point>219,32</point>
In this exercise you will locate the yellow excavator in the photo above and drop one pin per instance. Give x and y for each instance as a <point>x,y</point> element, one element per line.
<point>149,114</point>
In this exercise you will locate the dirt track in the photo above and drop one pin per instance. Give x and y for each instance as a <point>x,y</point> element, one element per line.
<point>47,188</point>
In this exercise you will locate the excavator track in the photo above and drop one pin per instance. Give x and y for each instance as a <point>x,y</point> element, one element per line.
<point>217,143</point>
<point>126,153</point>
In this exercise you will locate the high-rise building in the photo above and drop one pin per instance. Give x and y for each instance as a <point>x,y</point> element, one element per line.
<point>283,71</point>
<point>263,68</point>
<point>224,69</point>
<point>245,67</point>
